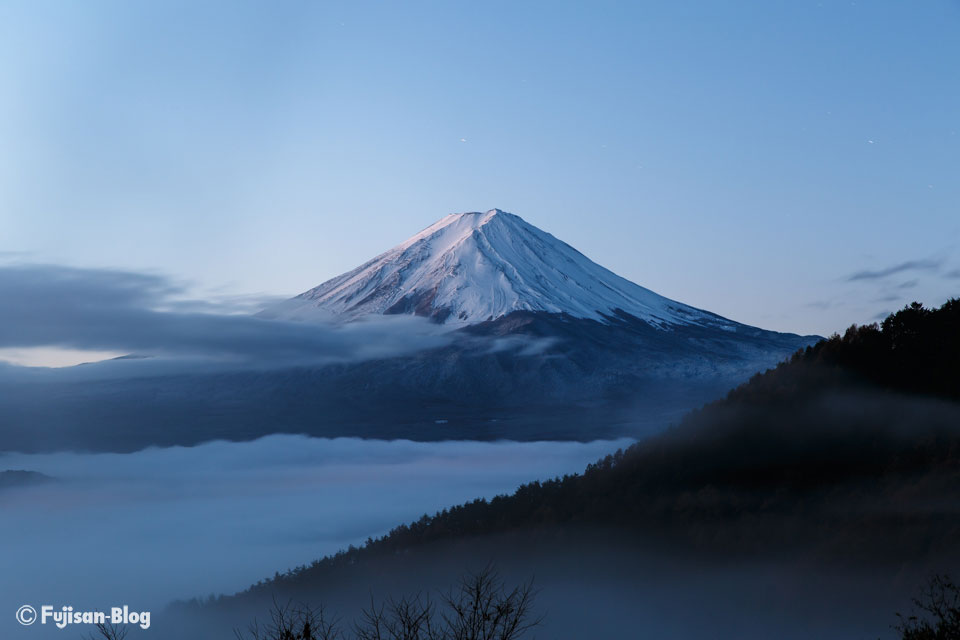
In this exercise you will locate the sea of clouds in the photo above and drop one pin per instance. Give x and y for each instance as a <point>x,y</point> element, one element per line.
<point>160,524</point>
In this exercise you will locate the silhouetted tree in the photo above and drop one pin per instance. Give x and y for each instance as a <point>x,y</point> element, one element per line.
<point>481,607</point>
<point>939,603</point>
<point>109,631</point>
<point>403,619</point>
<point>291,621</point>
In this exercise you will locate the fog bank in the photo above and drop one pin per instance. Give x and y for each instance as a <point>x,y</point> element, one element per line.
<point>148,527</point>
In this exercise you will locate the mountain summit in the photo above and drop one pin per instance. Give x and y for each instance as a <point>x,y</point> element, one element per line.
<point>473,267</point>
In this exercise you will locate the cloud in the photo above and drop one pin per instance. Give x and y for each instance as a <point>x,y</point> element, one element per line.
<point>909,284</point>
<point>14,255</point>
<point>522,345</point>
<point>221,303</point>
<point>220,516</point>
<point>910,265</point>
<point>953,274</point>
<point>143,313</point>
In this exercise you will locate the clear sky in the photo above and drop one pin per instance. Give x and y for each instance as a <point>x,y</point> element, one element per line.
<point>790,164</point>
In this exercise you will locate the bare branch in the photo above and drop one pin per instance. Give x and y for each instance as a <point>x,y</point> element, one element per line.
<point>109,631</point>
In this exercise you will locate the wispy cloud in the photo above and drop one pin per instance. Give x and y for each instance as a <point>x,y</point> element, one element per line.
<point>14,255</point>
<point>903,267</point>
<point>107,310</point>
<point>227,303</point>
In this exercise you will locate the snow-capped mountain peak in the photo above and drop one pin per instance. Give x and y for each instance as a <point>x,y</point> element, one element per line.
<point>472,267</point>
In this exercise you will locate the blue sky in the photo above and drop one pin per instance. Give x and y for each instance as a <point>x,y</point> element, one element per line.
<point>792,165</point>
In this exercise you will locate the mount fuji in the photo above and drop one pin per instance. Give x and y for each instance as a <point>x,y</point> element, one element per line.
<point>547,343</point>
<point>538,343</point>
<point>479,267</point>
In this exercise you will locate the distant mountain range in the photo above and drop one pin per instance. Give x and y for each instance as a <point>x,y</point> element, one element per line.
<point>541,343</point>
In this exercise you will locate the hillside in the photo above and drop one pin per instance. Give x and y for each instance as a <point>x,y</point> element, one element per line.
<point>822,493</point>
<point>850,450</point>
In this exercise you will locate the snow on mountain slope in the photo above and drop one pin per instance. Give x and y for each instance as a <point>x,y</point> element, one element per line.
<point>472,267</point>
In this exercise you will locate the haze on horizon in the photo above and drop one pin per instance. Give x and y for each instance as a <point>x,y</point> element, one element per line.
<point>790,165</point>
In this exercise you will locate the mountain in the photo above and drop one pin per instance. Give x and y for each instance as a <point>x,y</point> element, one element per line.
<point>829,479</point>
<point>545,341</point>
<point>539,343</point>
<point>477,267</point>
<point>875,412</point>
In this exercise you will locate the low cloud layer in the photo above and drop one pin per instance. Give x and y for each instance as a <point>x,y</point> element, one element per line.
<point>120,311</point>
<point>160,524</point>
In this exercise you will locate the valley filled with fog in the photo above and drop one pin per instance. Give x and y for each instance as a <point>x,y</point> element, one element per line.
<point>156,525</point>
